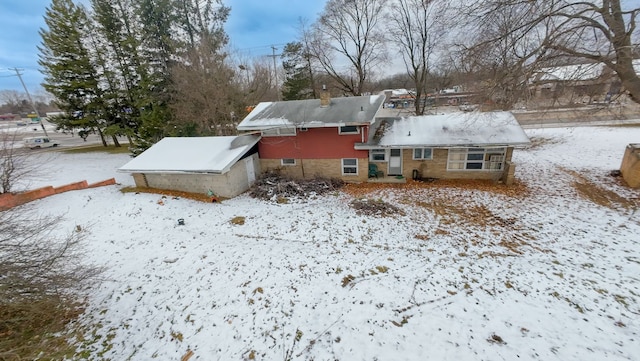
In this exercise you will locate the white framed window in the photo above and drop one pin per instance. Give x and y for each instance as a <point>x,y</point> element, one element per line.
<point>279,132</point>
<point>349,129</point>
<point>287,161</point>
<point>349,166</point>
<point>476,159</point>
<point>422,153</point>
<point>378,155</point>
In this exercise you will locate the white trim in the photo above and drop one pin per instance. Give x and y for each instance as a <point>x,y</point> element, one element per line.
<point>482,159</point>
<point>422,157</point>
<point>283,163</point>
<point>279,132</point>
<point>385,153</point>
<point>343,166</point>
<point>392,159</point>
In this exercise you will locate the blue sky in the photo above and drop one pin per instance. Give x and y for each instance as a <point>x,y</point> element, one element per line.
<point>253,26</point>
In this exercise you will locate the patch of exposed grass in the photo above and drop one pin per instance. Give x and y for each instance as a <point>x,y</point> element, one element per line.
<point>539,142</point>
<point>347,279</point>
<point>30,329</point>
<point>99,148</point>
<point>596,193</point>
<point>238,220</point>
<point>496,339</point>
<point>168,192</point>
<point>517,189</point>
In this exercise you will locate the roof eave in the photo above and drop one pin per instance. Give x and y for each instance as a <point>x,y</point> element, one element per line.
<point>173,171</point>
<point>367,146</point>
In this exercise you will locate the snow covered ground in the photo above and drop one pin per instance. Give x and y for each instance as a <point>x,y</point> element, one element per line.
<point>544,274</point>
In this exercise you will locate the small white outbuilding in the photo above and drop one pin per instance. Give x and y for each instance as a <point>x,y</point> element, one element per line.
<point>225,166</point>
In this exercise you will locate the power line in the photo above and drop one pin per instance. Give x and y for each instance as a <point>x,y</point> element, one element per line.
<point>35,110</point>
<point>275,69</point>
<point>261,46</point>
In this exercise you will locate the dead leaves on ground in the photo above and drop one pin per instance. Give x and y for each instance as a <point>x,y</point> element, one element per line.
<point>518,189</point>
<point>598,194</point>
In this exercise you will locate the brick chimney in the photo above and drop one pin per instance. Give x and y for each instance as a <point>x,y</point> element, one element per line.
<point>325,97</point>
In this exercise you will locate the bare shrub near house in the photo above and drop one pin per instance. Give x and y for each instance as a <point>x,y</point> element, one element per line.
<point>41,283</point>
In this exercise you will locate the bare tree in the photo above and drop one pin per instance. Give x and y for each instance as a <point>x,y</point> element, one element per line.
<point>539,32</point>
<point>42,280</point>
<point>348,43</point>
<point>417,28</point>
<point>205,96</point>
<point>41,274</point>
<point>15,167</point>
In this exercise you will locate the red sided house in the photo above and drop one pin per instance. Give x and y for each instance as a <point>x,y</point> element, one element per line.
<point>315,137</point>
<point>343,138</point>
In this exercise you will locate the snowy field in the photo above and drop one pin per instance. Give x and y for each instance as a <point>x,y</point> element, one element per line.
<point>542,272</point>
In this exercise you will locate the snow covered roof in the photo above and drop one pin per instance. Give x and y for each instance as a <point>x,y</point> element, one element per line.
<point>571,72</point>
<point>447,130</point>
<point>192,155</point>
<point>308,113</point>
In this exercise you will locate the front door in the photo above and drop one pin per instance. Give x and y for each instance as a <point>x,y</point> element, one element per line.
<point>395,162</point>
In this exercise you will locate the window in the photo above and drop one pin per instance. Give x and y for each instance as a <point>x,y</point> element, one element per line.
<point>287,161</point>
<point>476,159</point>
<point>275,132</point>
<point>377,155</point>
<point>350,166</point>
<point>349,129</point>
<point>422,153</point>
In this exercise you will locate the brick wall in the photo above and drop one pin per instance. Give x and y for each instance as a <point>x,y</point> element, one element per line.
<point>12,200</point>
<point>310,168</point>
<point>437,166</point>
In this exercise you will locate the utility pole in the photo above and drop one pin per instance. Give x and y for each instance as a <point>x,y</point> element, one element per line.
<point>275,70</point>
<point>35,110</point>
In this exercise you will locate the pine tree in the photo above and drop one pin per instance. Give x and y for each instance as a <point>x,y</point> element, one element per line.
<point>297,83</point>
<point>70,74</point>
<point>116,45</point>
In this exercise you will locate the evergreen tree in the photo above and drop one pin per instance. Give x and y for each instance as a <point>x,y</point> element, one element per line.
<point>70,74</point>
<point>297,83</point>
<point>116,48</point>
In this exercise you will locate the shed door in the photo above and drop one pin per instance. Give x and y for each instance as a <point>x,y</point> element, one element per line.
<point>251,172</point>
<point>395,162</point>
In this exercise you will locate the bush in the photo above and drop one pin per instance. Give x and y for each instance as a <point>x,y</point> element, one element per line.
<point>41,283</point>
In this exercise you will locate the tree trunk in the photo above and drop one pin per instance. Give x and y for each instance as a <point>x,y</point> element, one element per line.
<point>115,141</point>
<point>104,141</point>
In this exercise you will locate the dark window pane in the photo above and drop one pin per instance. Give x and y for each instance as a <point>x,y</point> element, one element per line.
<point>474,165</point>
<point>349,129</point>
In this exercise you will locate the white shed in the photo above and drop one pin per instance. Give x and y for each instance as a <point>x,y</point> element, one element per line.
<point>226,166</point>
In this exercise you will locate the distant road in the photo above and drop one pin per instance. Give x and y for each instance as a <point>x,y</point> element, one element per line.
<point>65,140</point>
